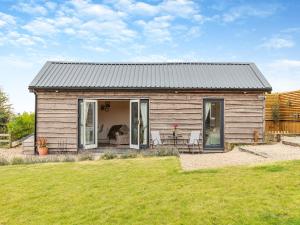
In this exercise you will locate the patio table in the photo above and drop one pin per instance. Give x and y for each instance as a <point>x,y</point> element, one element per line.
<point>175,139</point>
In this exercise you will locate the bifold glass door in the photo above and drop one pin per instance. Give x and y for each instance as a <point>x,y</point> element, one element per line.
<point>144,123</point>
<point>88,123</point>
<point>139,123</point>
<point>213,124</point>
<point>134,123</point>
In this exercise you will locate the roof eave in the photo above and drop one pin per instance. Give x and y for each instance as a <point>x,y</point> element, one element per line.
<point>33,88</point>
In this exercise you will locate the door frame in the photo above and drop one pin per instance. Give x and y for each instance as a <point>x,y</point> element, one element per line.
<point>95,145</point>
<point>135,146</point>
<point>221,146</point>
<point>82,99</point>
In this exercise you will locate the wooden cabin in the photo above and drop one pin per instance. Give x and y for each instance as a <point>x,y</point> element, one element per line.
<point>98,105</point>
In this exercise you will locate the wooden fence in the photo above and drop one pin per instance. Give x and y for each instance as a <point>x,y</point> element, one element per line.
<point>5,140</point>
<point>288,106</point>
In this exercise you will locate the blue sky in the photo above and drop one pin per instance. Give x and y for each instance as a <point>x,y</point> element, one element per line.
<point>32,32</point>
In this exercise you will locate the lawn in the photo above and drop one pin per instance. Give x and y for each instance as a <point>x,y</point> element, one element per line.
<point>148,191</point>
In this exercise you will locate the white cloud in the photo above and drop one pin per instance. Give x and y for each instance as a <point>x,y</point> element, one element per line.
<point>291,30</point>
<point>31,8</point>
<point>177,8</point>
<point>277,43</point>
<point>18,39</point>
<point>6,20</point>
<point>180,8</point>
<point>102,12</point>
<point>41,26</point>
<point>95,49</point>
<point>138,8</point>
<point>84,20</point>
<point>284,74</point>
<point>113,30</point>
<point>157,29</point>
<point>51,5</point>
<point>245,11</point>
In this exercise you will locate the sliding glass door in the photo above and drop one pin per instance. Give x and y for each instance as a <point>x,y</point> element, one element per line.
<point>213,124</point>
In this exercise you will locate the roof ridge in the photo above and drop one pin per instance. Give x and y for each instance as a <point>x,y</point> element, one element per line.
<point>151,63</point>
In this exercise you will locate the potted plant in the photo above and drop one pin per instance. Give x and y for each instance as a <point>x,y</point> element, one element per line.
<point>42,146</point>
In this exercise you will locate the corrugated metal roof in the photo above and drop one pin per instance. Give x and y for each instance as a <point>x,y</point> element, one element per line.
<point>170,75</point>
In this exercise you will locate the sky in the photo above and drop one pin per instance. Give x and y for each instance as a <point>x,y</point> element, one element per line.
<point>32,32</point>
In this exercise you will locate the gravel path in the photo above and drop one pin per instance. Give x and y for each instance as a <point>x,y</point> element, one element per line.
<point>12,152</point>
<point>270,153</point>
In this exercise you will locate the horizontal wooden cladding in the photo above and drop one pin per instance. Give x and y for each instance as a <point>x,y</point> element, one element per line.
<point>55,136</point>
<point>175,106</point>
<point>57,130</point>
<point>243,111</point>
<point>245,103</point>
<point>57,114</point>
<point>257,125</point>
<point>181,102</point>
<point>243,119</point>
<point>64,119</point>
<point>243,107</point>
<point>245,114</point>
<point>57,125</point>
<point>170,111</point>
<point>179,116</point>
<point>65,107</point>
<point>244,130</point>
<point>62,141</point>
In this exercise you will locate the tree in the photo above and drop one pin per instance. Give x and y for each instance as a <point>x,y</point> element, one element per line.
<point>21,125</point>
<point>5,111</point>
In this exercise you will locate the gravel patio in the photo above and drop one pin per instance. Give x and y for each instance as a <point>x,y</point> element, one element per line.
<point>244,155</point>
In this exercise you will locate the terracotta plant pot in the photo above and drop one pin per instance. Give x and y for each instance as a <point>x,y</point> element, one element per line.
<point>43,150</point>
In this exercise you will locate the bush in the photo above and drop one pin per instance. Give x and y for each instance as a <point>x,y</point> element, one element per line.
<point>36,159</point>
<point>85,157</point>
<point>17,161</point>
<point>3,162</point>
<point>5,111</point>
<point>21,125</point>
<point>161,151</point>
<point>128,155</point>
<point>68,158</point>
<point>167,152</point>
<point>109,155</point>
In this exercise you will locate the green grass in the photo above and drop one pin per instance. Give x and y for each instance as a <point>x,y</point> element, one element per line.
<point>148,191</point>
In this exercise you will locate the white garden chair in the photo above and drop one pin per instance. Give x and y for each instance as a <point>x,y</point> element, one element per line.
<point>155,138</point>
<point>194,141</point>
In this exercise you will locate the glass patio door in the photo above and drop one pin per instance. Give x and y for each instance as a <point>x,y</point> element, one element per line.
<point>90,124</point>
<point>134,124</point>
<point>144,123</point>
<point>213,124</point>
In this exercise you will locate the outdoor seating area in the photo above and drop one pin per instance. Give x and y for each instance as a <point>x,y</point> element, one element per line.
<point>177,140</point>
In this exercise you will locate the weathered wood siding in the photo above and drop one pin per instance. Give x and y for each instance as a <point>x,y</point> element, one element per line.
<point>57,117</point>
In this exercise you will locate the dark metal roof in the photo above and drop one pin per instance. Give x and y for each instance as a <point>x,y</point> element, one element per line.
<point>169,75</point>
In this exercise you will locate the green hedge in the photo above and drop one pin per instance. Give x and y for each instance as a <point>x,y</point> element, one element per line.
<point>21,125</point>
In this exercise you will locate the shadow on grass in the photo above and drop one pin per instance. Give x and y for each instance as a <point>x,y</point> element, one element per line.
<point>202,171</point>
<point>270,168</point>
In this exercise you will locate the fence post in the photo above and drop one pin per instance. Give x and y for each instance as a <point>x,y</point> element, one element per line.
<point>9,139</point>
